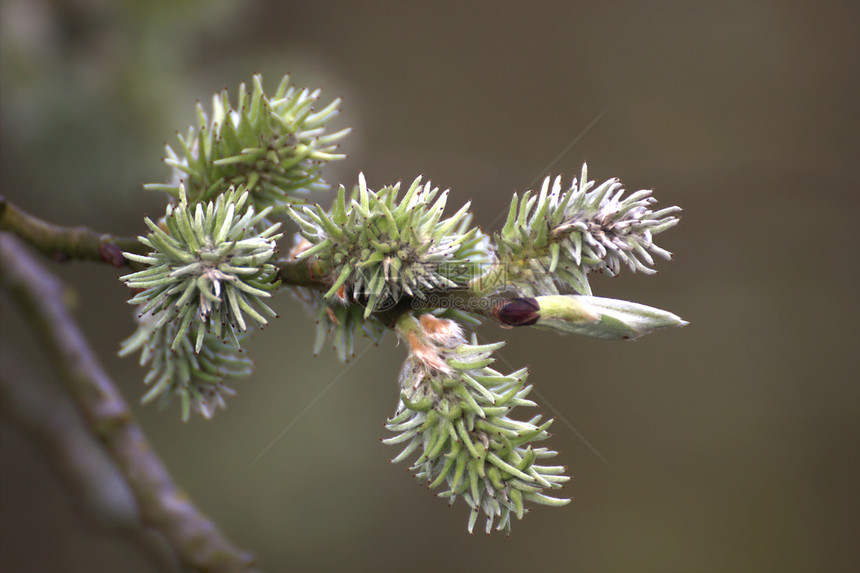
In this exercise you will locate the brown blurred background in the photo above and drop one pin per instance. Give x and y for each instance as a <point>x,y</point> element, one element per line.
<point>732,444</point>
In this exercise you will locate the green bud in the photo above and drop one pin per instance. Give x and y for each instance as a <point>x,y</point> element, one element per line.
<point>209,267</point>
<point>599,317</point>
<point>272,144</point>
<point>380,246</point>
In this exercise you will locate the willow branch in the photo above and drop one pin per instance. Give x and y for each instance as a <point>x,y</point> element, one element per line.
<point>193,537</point>
<point>498,307</point>
<point>66,243</point>
<point>98,491</point>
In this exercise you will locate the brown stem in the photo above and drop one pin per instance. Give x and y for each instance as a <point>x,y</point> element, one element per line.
<point>66,243</point>
<point>489,306</point>
<point>193,537</point>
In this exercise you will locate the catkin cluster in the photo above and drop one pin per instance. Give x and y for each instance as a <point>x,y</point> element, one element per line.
<point>454,412</point>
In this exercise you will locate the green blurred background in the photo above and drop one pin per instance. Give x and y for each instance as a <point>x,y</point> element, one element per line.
<point>731,445</point>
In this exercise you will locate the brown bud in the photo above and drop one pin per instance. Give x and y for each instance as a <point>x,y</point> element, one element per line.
<point>517,312</point>
<point>112,254</point>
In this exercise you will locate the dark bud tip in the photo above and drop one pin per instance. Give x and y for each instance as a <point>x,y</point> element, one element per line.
<point>111,254</point>
<point>517,312</point>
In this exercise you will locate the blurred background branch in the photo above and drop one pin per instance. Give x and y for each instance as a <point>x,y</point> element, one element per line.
<point>195,541</point>
<point>99,492</point>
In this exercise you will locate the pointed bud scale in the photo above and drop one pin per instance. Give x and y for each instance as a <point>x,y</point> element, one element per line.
<point>599,317</point>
